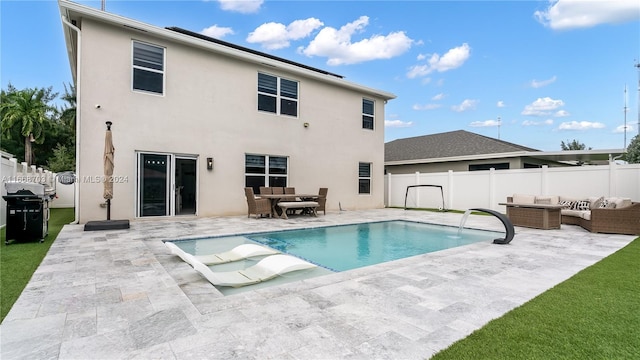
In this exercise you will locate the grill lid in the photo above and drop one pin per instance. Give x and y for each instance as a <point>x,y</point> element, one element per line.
<point>27,188</point>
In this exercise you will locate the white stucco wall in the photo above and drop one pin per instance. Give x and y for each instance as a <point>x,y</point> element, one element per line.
<point>209,109</point>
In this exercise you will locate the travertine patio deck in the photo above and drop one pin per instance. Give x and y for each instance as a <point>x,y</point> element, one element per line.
<point>120,295</point>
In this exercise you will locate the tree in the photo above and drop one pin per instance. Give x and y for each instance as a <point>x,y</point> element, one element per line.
<point>62,160</point>
<point>68,113</point>
<point>27,110</point>
<point>572,145</point>
<point>633,151</point>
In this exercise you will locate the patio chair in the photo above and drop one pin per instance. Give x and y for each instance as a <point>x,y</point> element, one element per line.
<point>266,269</point>
<point>277,190</point>
<point>322,200</point>
<point>255,206</point>
<point>239,252</point>
<point>265,190</point>
<point>290,190</point>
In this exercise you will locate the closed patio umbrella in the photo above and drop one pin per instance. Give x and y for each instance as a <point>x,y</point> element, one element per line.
<point>108,168</point>
<point>108,189</point>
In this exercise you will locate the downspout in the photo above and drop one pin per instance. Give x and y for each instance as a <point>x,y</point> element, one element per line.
<point>76,195</point>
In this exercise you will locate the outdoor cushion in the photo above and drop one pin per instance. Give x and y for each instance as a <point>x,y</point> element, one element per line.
<point>576,213</point>
<point>524,199</point>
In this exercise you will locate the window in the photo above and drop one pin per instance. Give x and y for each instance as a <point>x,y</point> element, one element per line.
<point>497,166</point>
<point>265,170</point>
<point>277,95</point>
<point>367,114</point>
<point>364,178</point>
<point>148,68</point>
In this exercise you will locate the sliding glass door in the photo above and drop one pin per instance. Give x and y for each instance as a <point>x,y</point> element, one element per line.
<point>154,185</point>
<point>167,184</point>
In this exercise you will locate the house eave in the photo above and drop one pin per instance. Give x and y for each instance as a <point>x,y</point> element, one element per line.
<point>556,156</point>
<point>69,9</point>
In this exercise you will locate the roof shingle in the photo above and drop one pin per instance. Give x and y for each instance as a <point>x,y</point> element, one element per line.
<point>448,144</point>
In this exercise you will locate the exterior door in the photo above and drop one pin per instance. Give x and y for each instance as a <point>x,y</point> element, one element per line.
<point>185,189</point>
<point>154,184</point>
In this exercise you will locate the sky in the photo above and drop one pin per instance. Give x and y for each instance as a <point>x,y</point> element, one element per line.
<point>533,73</point>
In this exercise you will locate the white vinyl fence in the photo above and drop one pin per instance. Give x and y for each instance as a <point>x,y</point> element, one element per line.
<point>485,189</point>
<point>11,170</point>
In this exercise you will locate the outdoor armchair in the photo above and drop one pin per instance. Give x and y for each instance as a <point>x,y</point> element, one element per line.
<point>255,206</point>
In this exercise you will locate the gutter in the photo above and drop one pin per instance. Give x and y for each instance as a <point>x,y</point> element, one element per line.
<point>76,200</point>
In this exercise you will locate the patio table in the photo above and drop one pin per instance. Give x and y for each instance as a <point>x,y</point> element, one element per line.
<point>275,198</point>
<point>538,216</point>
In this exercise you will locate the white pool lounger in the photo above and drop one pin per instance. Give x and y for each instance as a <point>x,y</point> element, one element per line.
<point>239,252</point>
<point>266,269</point>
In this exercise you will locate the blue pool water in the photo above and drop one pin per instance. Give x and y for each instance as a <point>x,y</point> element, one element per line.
<point>345,247</point>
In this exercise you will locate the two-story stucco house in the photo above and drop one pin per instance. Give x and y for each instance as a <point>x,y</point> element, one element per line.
<point>196,119</point>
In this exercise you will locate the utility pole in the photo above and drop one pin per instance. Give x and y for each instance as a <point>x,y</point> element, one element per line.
<point>499,127</point>
<point>624,109</point>
<point>638,66</point>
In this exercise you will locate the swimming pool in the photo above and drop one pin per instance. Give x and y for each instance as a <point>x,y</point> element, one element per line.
<point>346,247</point>
<point>341,247</point>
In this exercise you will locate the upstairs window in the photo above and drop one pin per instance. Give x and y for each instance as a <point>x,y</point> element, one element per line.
<point>367,114</point>
<point>148,68</point>
<point>277,95</point>
<point>364,178</point>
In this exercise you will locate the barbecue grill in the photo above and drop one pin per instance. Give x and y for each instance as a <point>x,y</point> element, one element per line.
<point>27,210</point>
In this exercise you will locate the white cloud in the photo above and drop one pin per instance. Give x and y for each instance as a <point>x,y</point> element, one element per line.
<point>454,58</point>
<point>241,6</point>
<point>500,104</point>
<point>572,14</point>
<point>397,123</point>
<point>542,107</point>
<point>486,123</point>
<point>426,106</point>
<point>274,36</point>
<point>467,104</point>
<point>620,129</point>
<point>580,125</point>
<point>438,97</point>
<point>536,123</point>
<point>337,45</point>
<point>561,113</point>
<point>217,32</point>
<point>542,83</point>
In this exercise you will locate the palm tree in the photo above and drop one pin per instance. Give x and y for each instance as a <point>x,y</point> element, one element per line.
<point>68,113</point>
<point>26,109</point>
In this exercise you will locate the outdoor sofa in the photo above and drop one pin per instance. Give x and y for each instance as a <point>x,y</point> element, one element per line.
<point>610,215</point>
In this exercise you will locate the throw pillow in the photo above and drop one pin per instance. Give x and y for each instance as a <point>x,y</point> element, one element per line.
<point>596,204</point>
<point>566,204</point>
<point>611,205</point>
<point>603,204</point>
<point>581,205</point>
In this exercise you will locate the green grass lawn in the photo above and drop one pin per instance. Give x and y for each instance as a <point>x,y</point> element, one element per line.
<point>19,260</point>
<point>593,315</point>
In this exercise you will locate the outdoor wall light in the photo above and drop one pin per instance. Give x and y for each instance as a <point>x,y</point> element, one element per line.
<point>306,124</point>
<point>209,163</point>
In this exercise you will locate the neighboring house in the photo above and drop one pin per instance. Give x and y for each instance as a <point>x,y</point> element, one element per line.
<point>466,151</point>
<point>178,99</point>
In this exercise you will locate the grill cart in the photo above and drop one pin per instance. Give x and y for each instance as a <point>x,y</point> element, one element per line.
<point>27,210</point>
